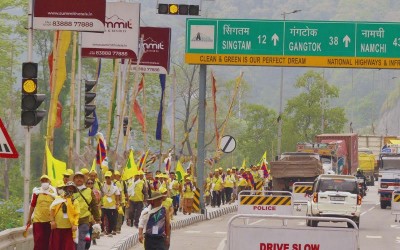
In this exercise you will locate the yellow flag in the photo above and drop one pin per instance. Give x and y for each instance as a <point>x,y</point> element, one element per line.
<point>130,168</point>
<point>93,165</point>
<point>244,164</point>
<point>61,70</point>
<point>55,168</point>
<point>179,171</point>
<point>263,159</point>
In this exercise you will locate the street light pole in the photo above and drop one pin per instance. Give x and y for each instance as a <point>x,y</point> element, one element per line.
<point>279,146</point>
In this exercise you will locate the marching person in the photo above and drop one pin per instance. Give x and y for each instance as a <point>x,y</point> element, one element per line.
<point>154,224</point>
<point>207,189</point>
<point>136,192</point>
<point>87,206</point>
<point>167,202</point>
<point>216,187</point>
<point>110,202</point>
<point>42,197</point>
<point>67,175</point>
<point>175,188</point>
<point>64,217</point>
<point>229,184</point>
<point>188,195</point>
<point>122,189</point>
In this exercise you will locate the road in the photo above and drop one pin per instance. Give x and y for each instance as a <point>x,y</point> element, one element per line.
<point>378,230</point>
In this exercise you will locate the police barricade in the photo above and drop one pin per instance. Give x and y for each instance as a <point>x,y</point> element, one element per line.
<point>299,193</point>
<point>271,236</point>
<point>396,203</point>
<point>265,202</point>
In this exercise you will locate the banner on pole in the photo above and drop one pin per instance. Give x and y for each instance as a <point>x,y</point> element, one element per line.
<point>74,15</point>
<point>121,36</point>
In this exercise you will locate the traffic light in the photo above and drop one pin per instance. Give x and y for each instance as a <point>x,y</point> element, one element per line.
<point>178,9</point>
<point>125,125</point>
<point>89,107</point>
<point>30,100</point>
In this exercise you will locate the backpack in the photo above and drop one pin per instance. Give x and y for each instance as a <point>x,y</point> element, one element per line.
<point>157,219</point>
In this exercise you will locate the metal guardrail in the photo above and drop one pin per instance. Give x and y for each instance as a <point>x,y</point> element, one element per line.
<point>12,239</point>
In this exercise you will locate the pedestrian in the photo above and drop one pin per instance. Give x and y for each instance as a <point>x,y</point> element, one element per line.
<point>64,217</point>
<point>207,189</point>
<point>85,172</point>
<point>88,207</point>
<point>175,189</point>
<point>67,175</point>
<point>155,225</point>
<point>136,193</point>
<point>222,175</point>
<point>217,187</point>
<point>122,189</point>
<point>42,197</point>
<point>229,184</point>
<point>97,194</point>
<point>188,189</point>
<point>167,202</point>
<point>110,202</point>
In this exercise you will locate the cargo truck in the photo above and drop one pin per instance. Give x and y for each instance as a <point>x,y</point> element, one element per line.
<point>389,173</point>
<point>350,161</point>
<point>294,167</point>
<point>366,162</point>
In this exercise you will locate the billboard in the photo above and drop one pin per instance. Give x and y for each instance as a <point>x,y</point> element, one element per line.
<point>156,42</point>
<point>74,15</point>
<point>121,35</point>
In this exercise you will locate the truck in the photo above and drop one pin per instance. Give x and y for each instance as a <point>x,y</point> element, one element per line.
<point>333,154</point>
<point>348,163</point>
<point>294,167</point>
<point>389,173</point>
<point>366,162</point>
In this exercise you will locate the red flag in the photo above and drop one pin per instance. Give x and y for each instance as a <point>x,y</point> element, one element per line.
<point>168,165</point>
<point>214,94</point>
<point>101,152</point>
<point>264,169</point>
<point>59,121</point>
<point>138,113</point>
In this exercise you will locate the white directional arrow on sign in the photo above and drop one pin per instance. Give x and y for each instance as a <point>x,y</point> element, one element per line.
<point>346,41</point>
<point>275,38</point>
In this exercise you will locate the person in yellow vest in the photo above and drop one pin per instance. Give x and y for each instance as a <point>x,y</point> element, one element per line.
<point>110,203</point>
<point>67,175</point>
<point>217,186</point>
<point>175,189</point>
<point>229,184</point>
<point>165,181</point>
<point>64,215</point>
<point>85,172</point>
<point>88,207</point>
<point>257,178</point>
<point>188,189</point>
<point>96,182</point>
<point>242,181</point>
<point>42,197</point>
<point>122,189</point>
<point>167,202</point>
<point>207,189</point>
<point>235,175</point>
<point>136,192</point>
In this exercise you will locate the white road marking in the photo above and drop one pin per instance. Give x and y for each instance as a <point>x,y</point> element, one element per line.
<point>397,238</point>
<point>221,245</point>
<point>395,226</point>
<point>192,232</point>
<point>302,223</point>
<point>377,204</point>
<point>369,210</point>
<point>373,237</point>
<point>256,222</point>
<point>220,232</point>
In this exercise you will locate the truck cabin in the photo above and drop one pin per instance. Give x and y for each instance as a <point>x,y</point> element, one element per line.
<point>389,161</point>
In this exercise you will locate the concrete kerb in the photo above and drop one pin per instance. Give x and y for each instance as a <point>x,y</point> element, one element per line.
<point>130,241</point>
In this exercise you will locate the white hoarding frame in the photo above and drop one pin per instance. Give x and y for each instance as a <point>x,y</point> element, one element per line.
<point>290,237</point>
<point>121,36</point>
<point>265,209</point>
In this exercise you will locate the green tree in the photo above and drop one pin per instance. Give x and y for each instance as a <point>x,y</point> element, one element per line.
<point>305,112</point>
<point>10,218</point>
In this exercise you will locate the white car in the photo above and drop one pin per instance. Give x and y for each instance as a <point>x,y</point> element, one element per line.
<point>335,196</point>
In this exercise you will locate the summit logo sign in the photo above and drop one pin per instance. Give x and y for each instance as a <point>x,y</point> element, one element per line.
<point>202,36</point>
<point>117,24</point>
<point>150,45</point>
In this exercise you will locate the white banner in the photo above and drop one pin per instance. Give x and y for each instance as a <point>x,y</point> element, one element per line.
<point>121,36</point>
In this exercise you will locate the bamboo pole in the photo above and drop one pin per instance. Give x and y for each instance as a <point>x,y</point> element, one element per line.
<point>89,141</point>
<point>72,106</point>
<point>110,111</point>
<point>173,120</point>
<point>123,106</point>
<point>144,115</point>
<point>50,126</point>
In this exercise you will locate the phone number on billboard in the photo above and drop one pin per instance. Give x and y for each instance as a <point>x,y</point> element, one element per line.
<point>73,24</point>
<point>108,53</point>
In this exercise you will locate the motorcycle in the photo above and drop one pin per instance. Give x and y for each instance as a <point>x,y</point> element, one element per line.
<point>361,187</point>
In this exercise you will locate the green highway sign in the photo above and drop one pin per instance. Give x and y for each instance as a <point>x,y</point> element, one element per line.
<point>293,43</point>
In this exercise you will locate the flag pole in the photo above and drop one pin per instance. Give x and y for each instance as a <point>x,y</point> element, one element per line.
<point>173,120</point>
<point>110,111</point>
<point>144,115</point>
<point>72,98</point>
<point>135,91</point>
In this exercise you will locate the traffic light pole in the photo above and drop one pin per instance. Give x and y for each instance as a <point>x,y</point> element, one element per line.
<point>27,170</point>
